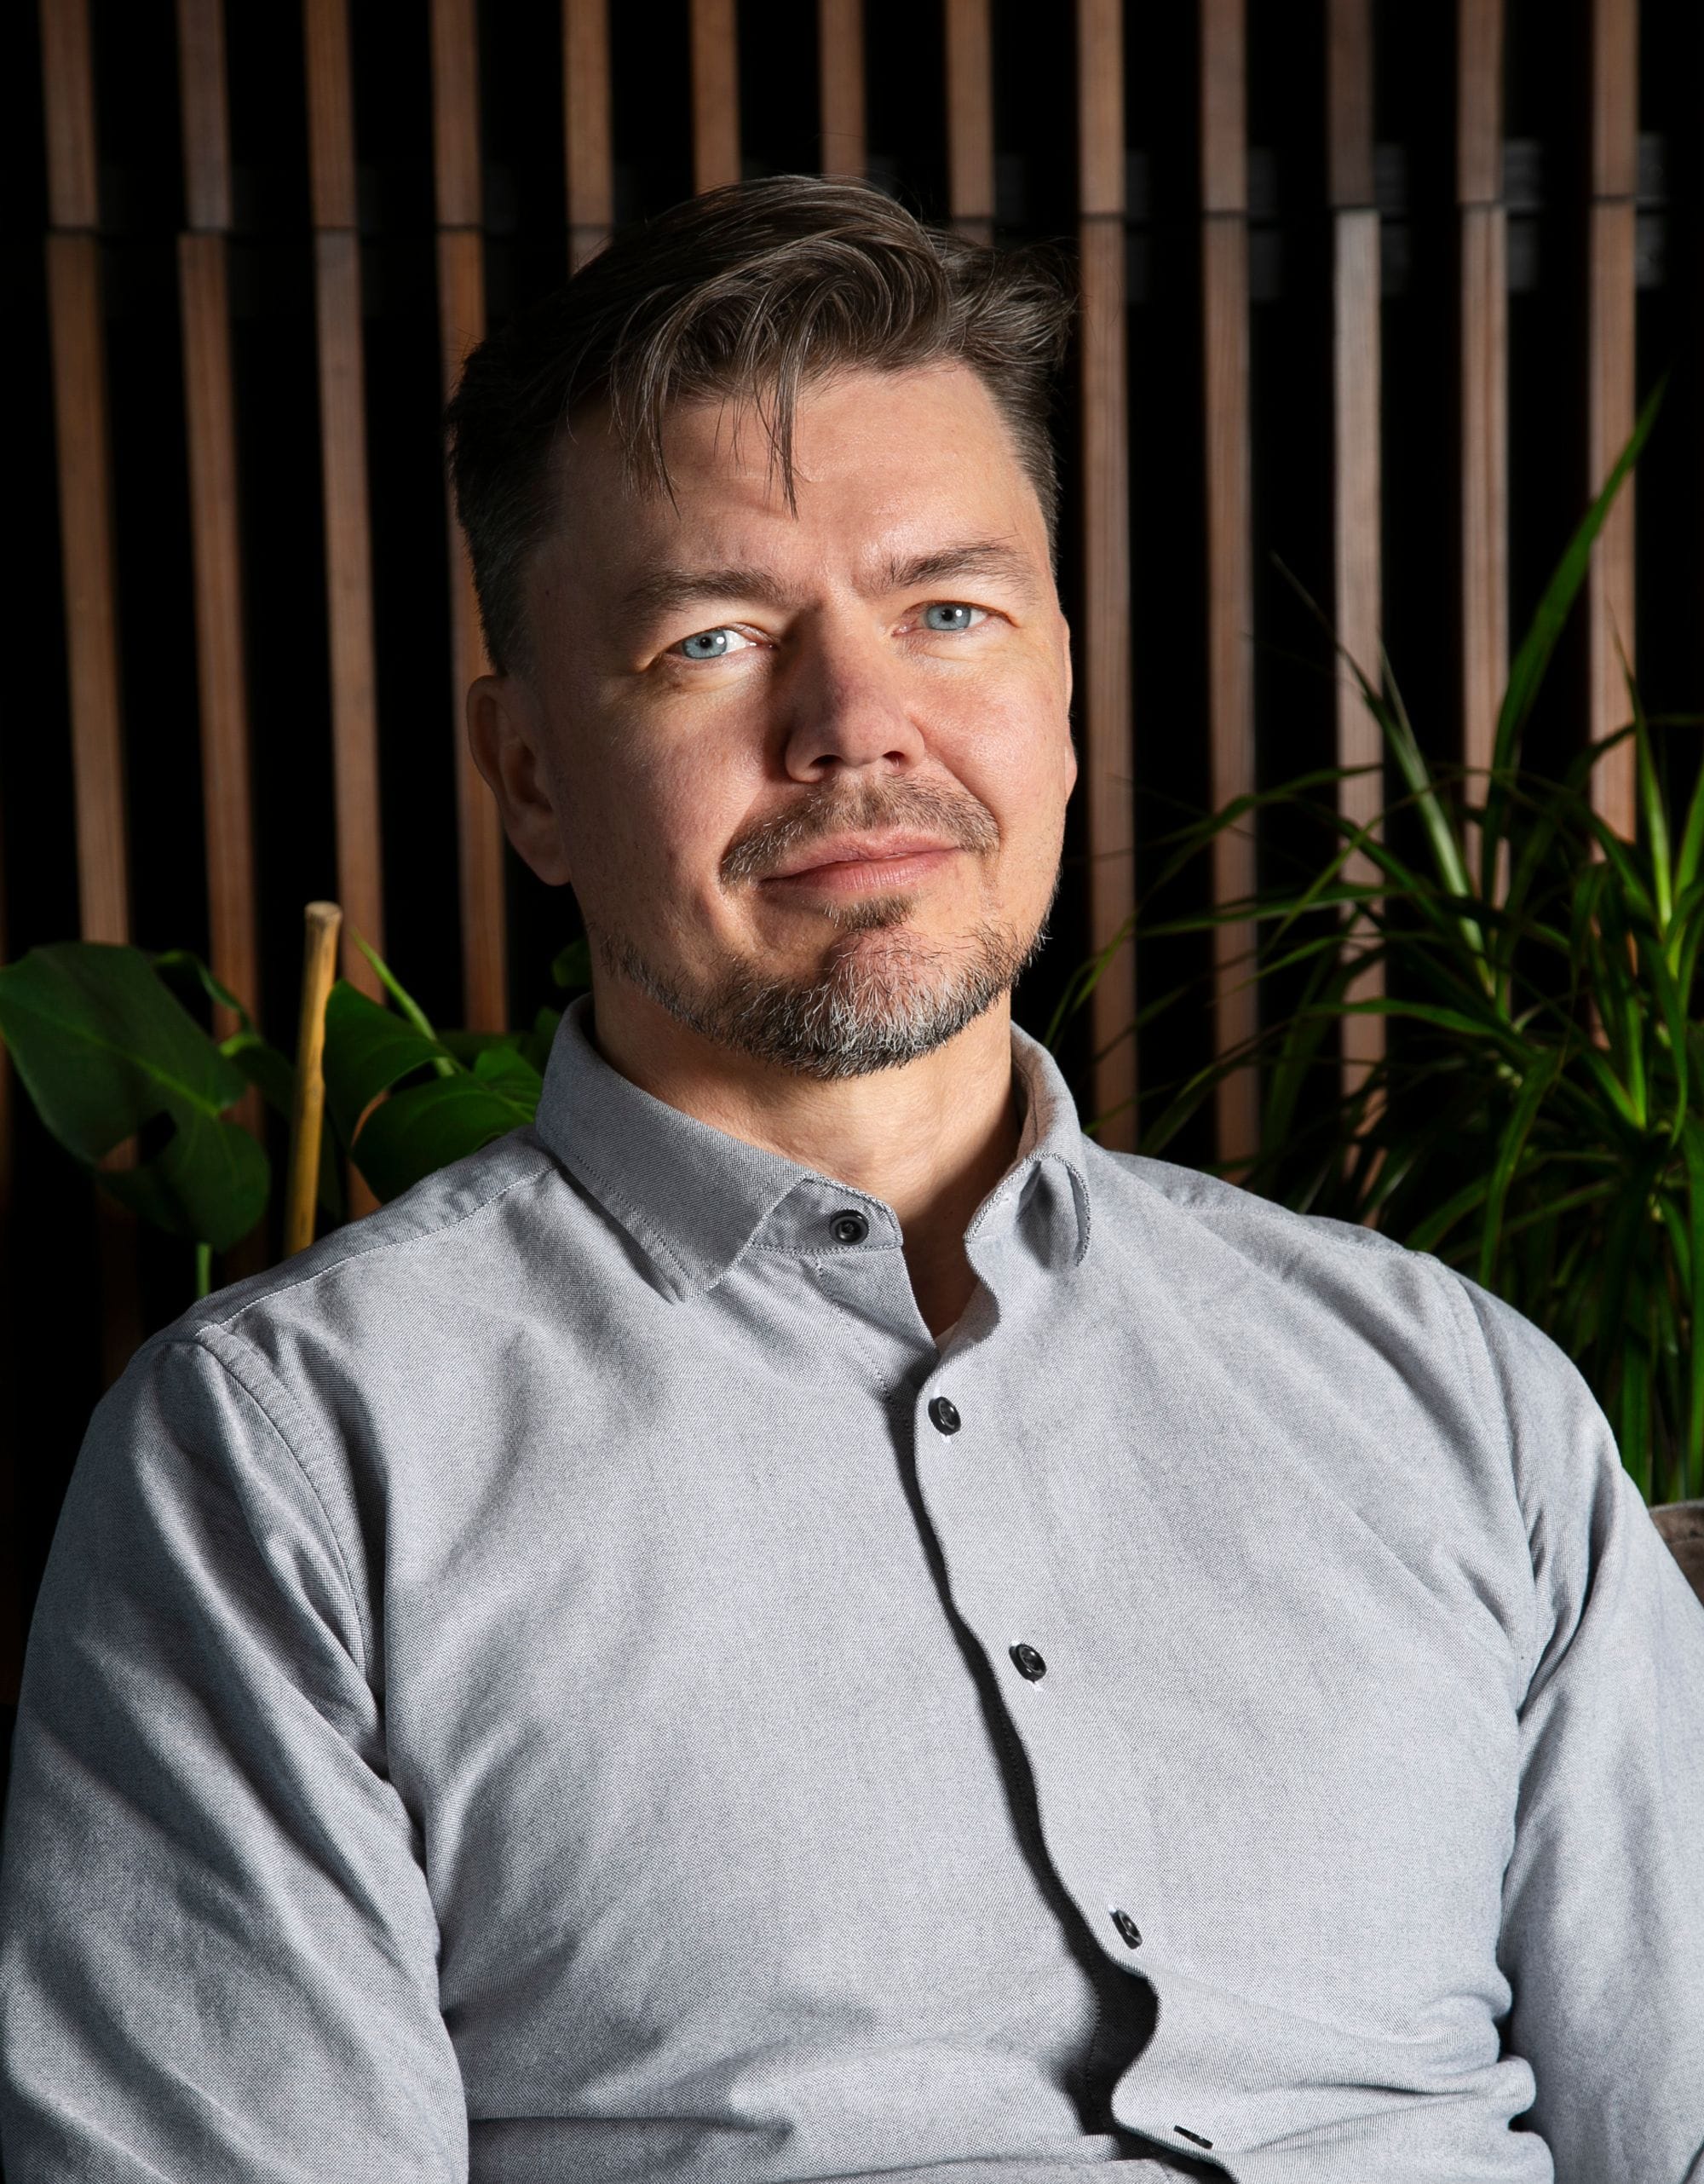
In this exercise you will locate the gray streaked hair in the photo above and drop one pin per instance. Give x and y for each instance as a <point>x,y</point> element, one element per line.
<point>751,292</point>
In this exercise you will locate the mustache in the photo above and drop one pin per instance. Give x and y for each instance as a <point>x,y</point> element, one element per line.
<point>922,806</point>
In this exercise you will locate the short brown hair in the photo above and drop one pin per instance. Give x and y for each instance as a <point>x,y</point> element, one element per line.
<point>750,291</point>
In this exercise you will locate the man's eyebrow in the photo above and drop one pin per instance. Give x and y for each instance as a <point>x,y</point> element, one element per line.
<point>975,558</point>
<point>666,590</point>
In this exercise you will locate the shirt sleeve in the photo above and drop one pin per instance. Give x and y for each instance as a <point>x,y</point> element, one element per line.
<point>1603,1937</point>
<point>218,1956</point>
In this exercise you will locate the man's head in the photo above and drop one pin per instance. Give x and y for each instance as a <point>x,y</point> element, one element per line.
<point>760,513</point>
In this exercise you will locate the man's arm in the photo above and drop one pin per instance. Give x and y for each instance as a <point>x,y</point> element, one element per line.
<point>1603,1898</point>
<point>218,1952</point>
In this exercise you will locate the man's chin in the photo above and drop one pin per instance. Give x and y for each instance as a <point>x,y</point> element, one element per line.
<point>876,999</point>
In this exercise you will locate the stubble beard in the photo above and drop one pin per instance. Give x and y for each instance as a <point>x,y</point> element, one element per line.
<point>880,996</point>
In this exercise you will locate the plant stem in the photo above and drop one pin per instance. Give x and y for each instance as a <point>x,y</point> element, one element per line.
<point>204,1269</point>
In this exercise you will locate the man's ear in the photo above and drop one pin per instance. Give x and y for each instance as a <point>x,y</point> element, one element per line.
<point>505,734</point>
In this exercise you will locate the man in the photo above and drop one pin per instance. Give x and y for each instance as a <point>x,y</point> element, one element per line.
<point>802,1620</point>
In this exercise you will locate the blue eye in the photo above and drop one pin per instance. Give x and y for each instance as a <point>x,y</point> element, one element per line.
<point>949,615</point>
<point>708,644</point>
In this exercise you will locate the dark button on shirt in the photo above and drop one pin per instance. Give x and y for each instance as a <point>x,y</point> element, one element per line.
<point>943,1416</point>
<point>849,1227</point>
<point>1129,1931</point>
<point>385,1804</point>
<point>1028,1662</point>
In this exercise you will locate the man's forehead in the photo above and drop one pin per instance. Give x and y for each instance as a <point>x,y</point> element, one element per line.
<point>880,489</point>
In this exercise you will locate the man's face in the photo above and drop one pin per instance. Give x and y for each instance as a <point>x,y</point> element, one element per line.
<point>806,771</point>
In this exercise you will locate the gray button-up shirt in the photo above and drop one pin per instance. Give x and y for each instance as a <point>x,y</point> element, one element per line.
<point>540,1687</point>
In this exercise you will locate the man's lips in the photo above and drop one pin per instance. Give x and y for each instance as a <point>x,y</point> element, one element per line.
<point>856,862</point>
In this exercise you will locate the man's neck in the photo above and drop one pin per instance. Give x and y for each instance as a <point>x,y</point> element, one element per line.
<point>930,1138</point>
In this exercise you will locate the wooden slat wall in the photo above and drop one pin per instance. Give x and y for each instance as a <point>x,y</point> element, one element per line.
<point>85,466</point>
<point>1109,764</point>
<point>461,324</point>
<point>1356,501</point>
<point>1610,397</point>
<point>714,94</point>
<point>967,118</point>
<point>82,444</point>
<point>343,476</point>
<point>840,85</point>
<point>586,128</point>
<point>970,119</point>
<point>1231,557</point>
<point>209,396</point>
<point>1484,334</point>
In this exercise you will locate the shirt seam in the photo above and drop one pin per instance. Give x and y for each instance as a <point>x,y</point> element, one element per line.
<point>1475,1351</point>
<point>211,1341</point>
<point>350,1256</point>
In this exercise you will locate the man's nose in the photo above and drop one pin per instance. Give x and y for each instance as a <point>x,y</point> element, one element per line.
<point>847,705</point>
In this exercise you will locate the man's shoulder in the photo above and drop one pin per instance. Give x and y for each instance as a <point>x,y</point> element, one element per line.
<point>1241,1220</point>
<point>458,1234</point>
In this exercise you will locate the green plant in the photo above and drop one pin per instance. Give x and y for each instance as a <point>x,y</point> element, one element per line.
<point>1537,1119</point>
<point>107,1047</point>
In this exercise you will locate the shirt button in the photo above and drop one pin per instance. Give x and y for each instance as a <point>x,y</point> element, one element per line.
<point>943,1416</point>
<point>849,1227</point>
<point>1029,1665</point>
<point>1129,1931</point>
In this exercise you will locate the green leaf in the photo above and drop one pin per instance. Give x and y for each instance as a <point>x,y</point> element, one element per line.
<point>572,967</point>
<point>1532,658</point>
<point>104,1048</point>
<point>368,1049</point>
<point>420,1130</point>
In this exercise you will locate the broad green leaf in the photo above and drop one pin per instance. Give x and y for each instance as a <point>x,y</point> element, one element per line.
<point>103,1048</point>
<point>424,1128</point>
<point>368,1049</point>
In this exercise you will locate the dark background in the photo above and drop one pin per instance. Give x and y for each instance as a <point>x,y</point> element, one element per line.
<point>51,1308</point>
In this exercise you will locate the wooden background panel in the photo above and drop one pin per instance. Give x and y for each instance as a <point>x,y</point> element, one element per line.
<point>1484,335</point>
<point>586,123</point>
<point>1357,507</point>
<point>715,93</point>
<point>840,85</point>
<point>461,327</point>
<point>1610,404</point>
<point>1229,537</point>
<point>354,692</point>
<point>1160,212</point>
<point>1108,763</point>
<point>970,119</point>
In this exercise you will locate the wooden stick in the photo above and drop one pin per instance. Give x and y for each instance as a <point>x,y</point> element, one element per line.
<point>715,48</point>
<point>321,922</point>
<point>586,128</point>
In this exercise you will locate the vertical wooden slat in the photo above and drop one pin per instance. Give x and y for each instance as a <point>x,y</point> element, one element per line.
<point>343,479</point>
<point>840,66</point>
<point>460,318</point>
<point>85,466</point>
<point>1356,510</point>
<point>1610,389</point>
<point>83,451</point>
<point>714,94</point>
<point>68,88</point>
<point>587,128</point>
<point>1483,228</point>
<point>216,544</point>
<point>232,946</point>
<point>85,507</point>
<point>970,119</point>
<point>1230,572</point>
<point>1108,733</point>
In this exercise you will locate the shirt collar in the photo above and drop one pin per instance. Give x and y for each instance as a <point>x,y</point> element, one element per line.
<point>695,1199</point>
